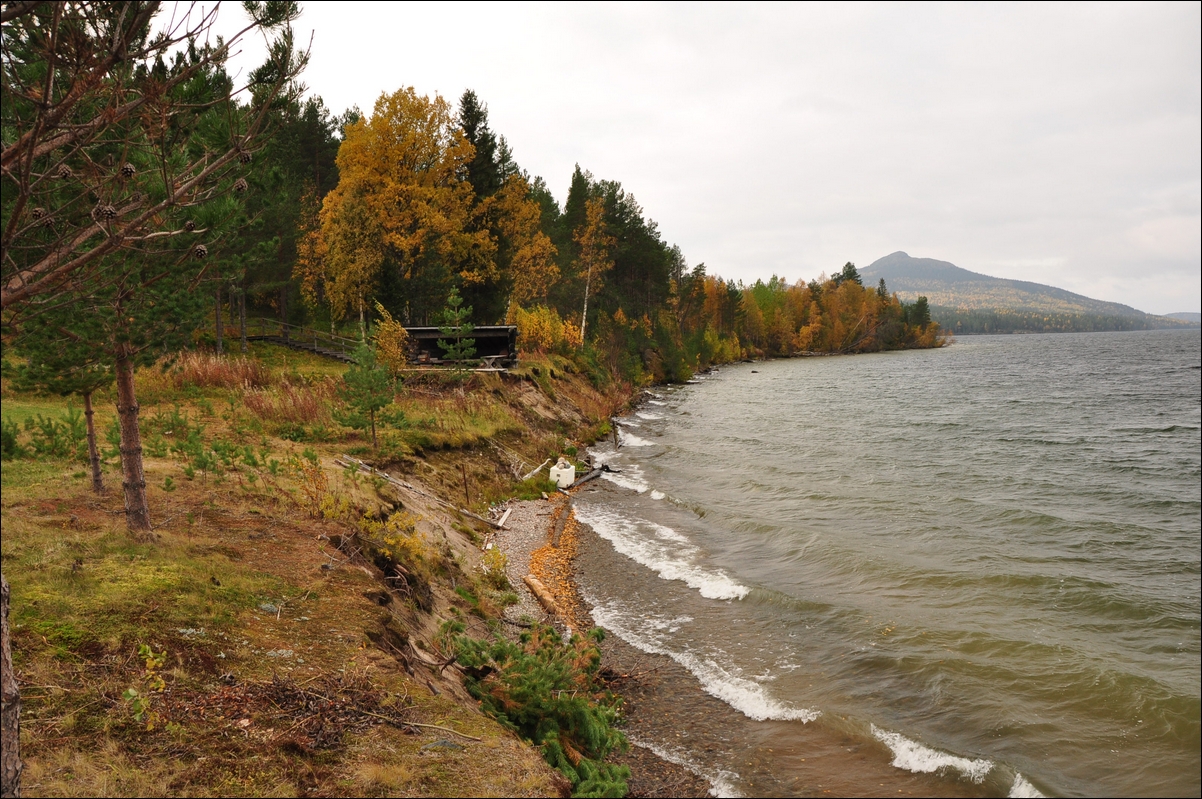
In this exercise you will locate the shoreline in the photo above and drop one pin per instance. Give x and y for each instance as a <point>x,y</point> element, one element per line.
<point>686,741</point>
<point>630,673</point>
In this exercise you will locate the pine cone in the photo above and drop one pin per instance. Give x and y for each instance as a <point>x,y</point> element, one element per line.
<point>244,156</point>
<point>189,226</point>
<point>128,171</point>
<point>108,212</point>
<point>200,252</point>
<point>38,213</point>
<point>64,172</point>
<point>240,185</point>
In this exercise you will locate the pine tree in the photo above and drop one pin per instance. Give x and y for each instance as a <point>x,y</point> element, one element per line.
<point>456,325</point>
<point>123,174</point>
<point>63,362</point>
<point>848,273</point>
<point>484,170</point>
<point>366,388</point>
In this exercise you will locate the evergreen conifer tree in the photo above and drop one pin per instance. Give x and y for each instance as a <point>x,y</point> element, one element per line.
<point>366,389</point>
<point>456,326</point>
<point>484,170</point>
<point>63,362</point>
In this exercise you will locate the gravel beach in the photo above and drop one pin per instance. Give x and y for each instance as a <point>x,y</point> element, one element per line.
<point>632,673</point>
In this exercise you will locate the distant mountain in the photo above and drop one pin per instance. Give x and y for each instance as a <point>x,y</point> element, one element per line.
<point>969,302</point>
<point>1192,318</point>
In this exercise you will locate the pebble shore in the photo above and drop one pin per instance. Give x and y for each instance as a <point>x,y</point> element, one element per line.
<point>528,529</point>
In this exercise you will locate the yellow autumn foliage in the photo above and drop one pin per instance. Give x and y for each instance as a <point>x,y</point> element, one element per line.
<point>541,329</point>
<point>392,342</point>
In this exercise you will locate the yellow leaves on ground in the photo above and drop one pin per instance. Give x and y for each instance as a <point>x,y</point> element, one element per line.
<point>553,567</point>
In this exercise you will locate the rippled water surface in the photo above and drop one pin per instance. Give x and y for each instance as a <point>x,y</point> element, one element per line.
<point>979,564</point>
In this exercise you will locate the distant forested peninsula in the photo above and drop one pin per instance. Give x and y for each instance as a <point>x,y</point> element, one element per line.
<point>966,303</point>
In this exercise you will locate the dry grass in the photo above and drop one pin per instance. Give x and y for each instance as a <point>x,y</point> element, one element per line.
<point>209,370</point>
<point>292,403</point>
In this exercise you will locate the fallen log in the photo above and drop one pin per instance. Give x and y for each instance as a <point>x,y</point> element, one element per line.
<point>565,512</point>
<point>536,470</point>
<point>541,594</point>
<point>593,475</point>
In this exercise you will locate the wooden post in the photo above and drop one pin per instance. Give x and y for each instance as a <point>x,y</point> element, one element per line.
<point>467,500</point>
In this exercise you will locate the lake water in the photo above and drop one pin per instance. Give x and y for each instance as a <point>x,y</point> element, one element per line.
<point>967,571</point>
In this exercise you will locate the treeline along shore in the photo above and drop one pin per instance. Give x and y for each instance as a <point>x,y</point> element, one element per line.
<point>287,591</point>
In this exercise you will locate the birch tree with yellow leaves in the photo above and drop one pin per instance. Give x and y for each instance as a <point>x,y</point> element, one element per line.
<point>593,261</point>
<point>401,204</point>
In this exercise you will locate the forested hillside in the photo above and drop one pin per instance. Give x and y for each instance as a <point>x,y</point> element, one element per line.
<point>969,302</point>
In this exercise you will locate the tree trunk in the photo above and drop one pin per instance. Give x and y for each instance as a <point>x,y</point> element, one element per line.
<point>284,308</point>
<point>220,329</point>
<point>133,478</point>
<point>242,314</point>
<point>584,316</point>
<point>10,707</point>
<point>93,451</point>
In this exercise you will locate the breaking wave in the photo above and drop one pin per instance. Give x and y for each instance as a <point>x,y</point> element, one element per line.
<point>920,759</point>
<point>665,551</point>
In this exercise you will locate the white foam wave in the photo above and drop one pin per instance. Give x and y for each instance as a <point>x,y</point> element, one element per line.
<point>656,402</point>
<point>721,781</point>
<point>622,423</point>
<point>631,440</point>
<point>627,478</point>
<point>723,682</point>
<point>657,495</point>
<point>671,557</point>
<point>668,534</point>
<point>650,417</point>
<point>920,759</point>
<point>601,457</point>
<point>1022,789</point>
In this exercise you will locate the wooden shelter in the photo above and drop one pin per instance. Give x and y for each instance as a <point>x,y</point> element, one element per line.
<point>496,345</point>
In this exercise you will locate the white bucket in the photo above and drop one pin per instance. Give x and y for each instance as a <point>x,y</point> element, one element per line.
<point>563,476</point>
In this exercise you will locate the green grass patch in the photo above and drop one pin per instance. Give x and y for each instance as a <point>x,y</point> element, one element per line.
<point>118,589</point>
<point>18,409</point>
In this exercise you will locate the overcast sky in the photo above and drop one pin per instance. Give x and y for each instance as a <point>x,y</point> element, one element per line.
<point>1059,144</point>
